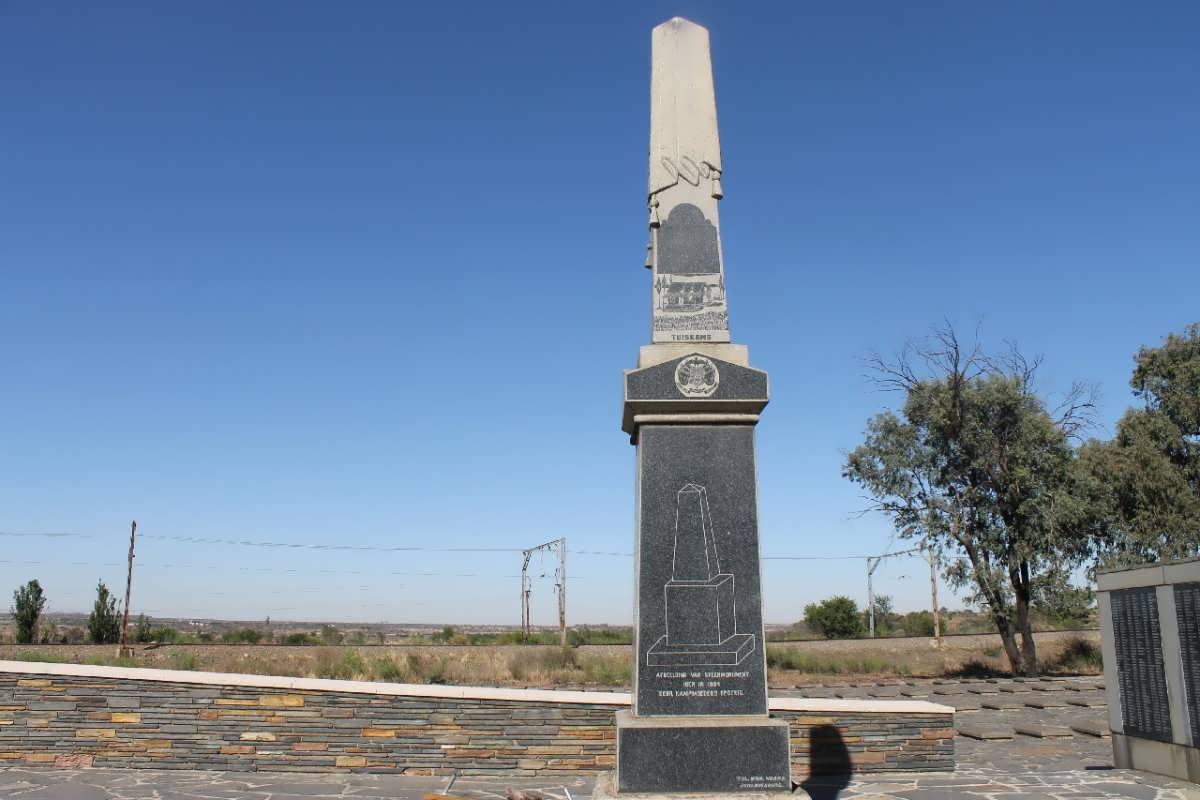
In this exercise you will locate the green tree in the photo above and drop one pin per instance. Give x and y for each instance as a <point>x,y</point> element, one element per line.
<point>976,465</point>
<point>104,623</point>
<point>1151,467</point>
<point>1062,605</point>
<point>28,602</point>
<point>834,618</point>
<point>885,616</point>
<point>142,632</point>
<point>917,623</point>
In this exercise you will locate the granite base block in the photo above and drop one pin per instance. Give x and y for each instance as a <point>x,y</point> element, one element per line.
<point>680,755</point>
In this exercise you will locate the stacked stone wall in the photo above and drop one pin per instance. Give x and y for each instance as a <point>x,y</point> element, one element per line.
<point>111,717</point>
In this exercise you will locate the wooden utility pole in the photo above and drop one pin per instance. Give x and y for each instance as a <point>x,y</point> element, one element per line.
<point>937,620</point>
<point>124,649</point>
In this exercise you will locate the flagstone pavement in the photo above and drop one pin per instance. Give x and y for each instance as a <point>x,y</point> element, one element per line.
<point>1063,764</point>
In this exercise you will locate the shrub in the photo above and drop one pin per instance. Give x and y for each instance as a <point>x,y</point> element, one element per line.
<point>141,631</point>
<point>330,635</point>
<point>1078,655</point>
<point>344,664</point>
<point>104,623</point>
<point>164,634</point>
<point>917,623</point>
<point>607,671</point>
<point>885,616</point>
<point>542,663</point>
<point>298,639</point>
<point>436,673</point>
<point>835,618</point>
<point>242,636</point>
<point>586,635</point>
<point>183,659</point>
<point>385,668</point>
<point>28,602</point>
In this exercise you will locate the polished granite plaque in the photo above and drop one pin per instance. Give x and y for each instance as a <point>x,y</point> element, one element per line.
<point>1141,678</point>
<point>1187,614</point>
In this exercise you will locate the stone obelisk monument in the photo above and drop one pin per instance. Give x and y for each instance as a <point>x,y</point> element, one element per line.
<point>699,721</point>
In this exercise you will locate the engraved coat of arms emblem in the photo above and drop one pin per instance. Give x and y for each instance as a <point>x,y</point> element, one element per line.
<point>696,376</point>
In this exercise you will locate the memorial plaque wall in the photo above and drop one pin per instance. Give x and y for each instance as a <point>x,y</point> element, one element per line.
<point>1187,614</point>
<point>1141,678</point>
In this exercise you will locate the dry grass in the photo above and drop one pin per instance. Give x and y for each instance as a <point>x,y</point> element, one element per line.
<point>802,662</point>
<point>588,666</point>
<point>600,666</point>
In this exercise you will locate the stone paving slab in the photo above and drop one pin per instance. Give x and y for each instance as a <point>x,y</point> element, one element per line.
<point>1041,730</point>
<point>984,731</point>
<point>1002,703</point>
<point>138,784</point>
<point>1050,701</point>
<point>1092,727</point>
<point>988,784</point>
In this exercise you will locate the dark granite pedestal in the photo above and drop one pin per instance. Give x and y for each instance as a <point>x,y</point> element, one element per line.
<point>702,754</point>
<point>699,722</point>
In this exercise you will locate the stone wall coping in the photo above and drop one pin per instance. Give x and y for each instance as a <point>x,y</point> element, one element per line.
<point>616,699</point>
<point>1184,570</point>
<point>855,706</point>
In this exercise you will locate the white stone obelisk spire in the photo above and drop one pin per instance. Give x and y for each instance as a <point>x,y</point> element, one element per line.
<point>685,185</point>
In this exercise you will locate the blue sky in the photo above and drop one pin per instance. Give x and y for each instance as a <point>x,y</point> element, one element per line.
<point>369,274</point>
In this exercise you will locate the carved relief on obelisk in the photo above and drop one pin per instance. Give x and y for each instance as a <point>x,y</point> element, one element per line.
<point>685,185</point>
<point>701,616</point>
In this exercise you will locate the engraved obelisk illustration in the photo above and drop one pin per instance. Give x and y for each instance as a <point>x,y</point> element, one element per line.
<point>699,599</point>
<point>699,721</point>
<point>685,185</point>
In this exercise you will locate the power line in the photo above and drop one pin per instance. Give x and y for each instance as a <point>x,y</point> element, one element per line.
<point>414,548</point>
<point>348,547</point>
<point>271,570</point>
